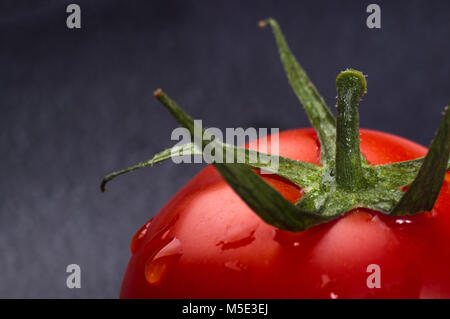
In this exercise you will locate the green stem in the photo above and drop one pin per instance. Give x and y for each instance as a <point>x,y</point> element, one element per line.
<point>317,110</point>
<point>351,86</point>
<point>298,172</point>
<point>424,190</point>
<point>187,149</point>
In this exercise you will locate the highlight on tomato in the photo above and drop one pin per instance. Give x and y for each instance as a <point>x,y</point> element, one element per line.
<point>349,213</point>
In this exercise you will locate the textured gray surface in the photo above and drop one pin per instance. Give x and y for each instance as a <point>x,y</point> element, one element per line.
<point>76,104</point>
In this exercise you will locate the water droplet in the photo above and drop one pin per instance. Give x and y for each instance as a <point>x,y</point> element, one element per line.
<point>329,285</point>
<point>324,280</point>
<point>165,234</point>
<point>157,268</point>
<point>402,221</point>
<point>287,239</point>
<point>138,238</point>
<point>238,236</point>
<point>142,236</point>
<point>155,271</point>
<point>235,265</point>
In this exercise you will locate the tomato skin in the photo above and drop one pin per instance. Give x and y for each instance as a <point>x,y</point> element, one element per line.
<point>206,243</point>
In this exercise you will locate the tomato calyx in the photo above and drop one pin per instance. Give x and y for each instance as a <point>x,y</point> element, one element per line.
<point>345,180</point>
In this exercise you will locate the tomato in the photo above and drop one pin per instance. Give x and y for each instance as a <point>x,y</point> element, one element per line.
<point>353,234</point>
<point>207,243</point>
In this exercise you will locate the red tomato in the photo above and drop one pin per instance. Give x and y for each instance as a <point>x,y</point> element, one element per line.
<point>207,243</point>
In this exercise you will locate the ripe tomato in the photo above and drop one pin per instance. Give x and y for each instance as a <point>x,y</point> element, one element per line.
<point>207,243</point>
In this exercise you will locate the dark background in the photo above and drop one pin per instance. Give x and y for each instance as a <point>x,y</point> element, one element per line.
<point>77,104</point>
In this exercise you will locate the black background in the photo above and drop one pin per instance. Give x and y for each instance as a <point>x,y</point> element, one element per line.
<point>77,104</point>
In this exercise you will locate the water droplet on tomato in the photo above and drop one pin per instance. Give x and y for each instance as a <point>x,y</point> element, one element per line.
<point>138,238</point>
<point>235,265</point>
<point>165,234</point>
<point>238,235</point>
<point>329,285</point>
<point>155,271</point>
<point>324,280</point>
<point>142,236</point>
<point>157,268</point>
<point>402,221</point>
<point>287,239</point>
